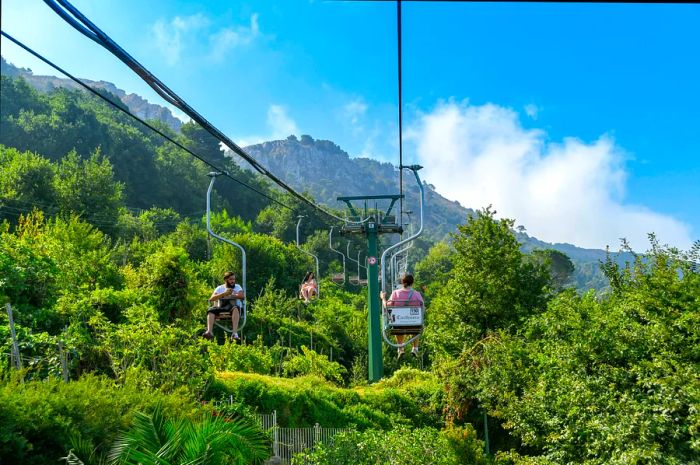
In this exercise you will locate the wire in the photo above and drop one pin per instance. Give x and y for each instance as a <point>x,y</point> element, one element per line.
<point>123,110</point>
<point>398,30</point>
<point>83,25</point>
<point>93,218</point>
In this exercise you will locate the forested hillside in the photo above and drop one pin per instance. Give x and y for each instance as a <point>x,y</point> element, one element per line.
<point>106,267</point>
<point>325,171</point>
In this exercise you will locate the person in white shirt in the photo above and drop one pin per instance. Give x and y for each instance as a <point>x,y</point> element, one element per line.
<point>226,297</point>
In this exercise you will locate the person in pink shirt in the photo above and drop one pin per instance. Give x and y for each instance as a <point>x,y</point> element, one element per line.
<point>309,287</point>
<point>406,296</point>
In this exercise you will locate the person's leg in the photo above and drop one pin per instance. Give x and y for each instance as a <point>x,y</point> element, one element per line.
<point>414,351</point>
<point>211,317</point>
<point>399,340</point>
<point>235,316</point>
<point>209,333</point>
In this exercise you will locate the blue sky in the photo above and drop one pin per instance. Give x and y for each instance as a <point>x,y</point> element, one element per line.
<point>581,121</point>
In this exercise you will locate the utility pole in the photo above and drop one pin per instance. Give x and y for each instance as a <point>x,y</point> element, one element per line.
<point>15,346</point>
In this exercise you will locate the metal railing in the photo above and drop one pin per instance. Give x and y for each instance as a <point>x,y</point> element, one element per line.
<point>286,442</point>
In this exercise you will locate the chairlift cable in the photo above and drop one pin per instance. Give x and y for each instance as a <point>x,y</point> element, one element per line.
<point>398,27</point>
<point>145,123</point>
<point>83,25</point>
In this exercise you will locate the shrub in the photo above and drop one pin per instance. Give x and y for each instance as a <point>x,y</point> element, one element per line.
<point>400,445</point>
<point>37,419</point>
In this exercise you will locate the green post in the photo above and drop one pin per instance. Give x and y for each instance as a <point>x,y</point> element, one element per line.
<point>376,368</point>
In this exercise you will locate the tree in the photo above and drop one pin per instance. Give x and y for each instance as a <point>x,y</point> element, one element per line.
<point>25,182</point>
<point>87,187</point>
<point>491,286</point>
<point>593,380</point>
<point>560,266</point>
<point>434,271</point>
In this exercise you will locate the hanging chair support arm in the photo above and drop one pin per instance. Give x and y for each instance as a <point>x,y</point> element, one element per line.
<point>330,245</point>
<point>415,169</point>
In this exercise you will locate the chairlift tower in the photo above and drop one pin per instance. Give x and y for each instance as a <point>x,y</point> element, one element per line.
<point>371,227</point>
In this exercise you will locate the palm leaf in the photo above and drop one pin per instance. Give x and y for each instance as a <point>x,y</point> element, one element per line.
<point>153,440</point>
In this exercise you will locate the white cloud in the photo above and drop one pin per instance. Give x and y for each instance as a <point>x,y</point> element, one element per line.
<point>531,110</point>
<point>568,192</point>
<point>168,35</point>
<point>280,126</point>
<point>280,123</point>
<point>353,111</point>
<point>353,116</point>
<point>229,38</point>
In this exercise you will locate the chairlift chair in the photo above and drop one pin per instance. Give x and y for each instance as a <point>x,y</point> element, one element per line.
<point>338,278</point>
<point>316,274</point>
<point>400,318</point>
<point>360,281</point>
<point>225,316</point>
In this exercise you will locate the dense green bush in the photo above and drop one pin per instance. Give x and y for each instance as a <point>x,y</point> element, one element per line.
<point>37,419</point>
<point>402,445</point>
<point>304,401</point>
<point>162,356</point>
<point>247,358</point>
<point>309,362</point>
<point>166,281</point>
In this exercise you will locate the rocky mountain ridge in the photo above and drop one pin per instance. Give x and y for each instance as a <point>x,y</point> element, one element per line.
<point>136,104</point>
<point>323,169</point>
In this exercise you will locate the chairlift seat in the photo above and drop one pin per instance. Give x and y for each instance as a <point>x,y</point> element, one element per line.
<point>403,319</point>
<point>338,277</point>
<point>225,315</point>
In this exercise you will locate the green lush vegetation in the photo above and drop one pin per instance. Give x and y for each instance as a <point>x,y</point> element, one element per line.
<point>106,262</point>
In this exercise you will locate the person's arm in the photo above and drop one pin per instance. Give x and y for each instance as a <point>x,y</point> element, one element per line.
<point>220,295</point>
<point>382,295</point>
<point>238,292</point>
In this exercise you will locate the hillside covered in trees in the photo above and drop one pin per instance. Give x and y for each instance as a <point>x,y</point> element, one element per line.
<point>325,171</point>
<point>107,266</point>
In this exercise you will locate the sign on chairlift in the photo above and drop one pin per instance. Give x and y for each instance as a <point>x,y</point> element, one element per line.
<point>398,317</point>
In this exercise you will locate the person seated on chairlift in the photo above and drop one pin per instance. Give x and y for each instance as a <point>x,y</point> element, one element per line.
<point>407,297</point>
<point>227,297</point>
<point>308,288</point>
